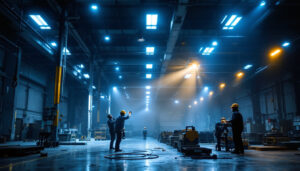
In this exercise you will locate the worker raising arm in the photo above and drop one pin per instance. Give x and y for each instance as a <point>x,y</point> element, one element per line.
<point>120,122</point>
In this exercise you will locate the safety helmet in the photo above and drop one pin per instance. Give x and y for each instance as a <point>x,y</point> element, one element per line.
<point>122,112</point>
<point>235,105</point>
<point>109,116</point>
<point>223,120</point>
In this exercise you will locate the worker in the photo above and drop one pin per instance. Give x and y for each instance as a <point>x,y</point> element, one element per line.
<point>237,129</point>
<point>145,133</point>
<point>120,127</point>
<point>111,125</point>
<point>221,131</point>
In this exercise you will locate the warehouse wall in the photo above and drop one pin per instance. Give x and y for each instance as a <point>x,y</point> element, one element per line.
<point>261,103</point>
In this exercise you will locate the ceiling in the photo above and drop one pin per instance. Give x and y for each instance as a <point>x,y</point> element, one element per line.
<point>183,27</point>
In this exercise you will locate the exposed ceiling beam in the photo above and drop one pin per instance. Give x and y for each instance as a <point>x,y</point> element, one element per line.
<point>175,28</point>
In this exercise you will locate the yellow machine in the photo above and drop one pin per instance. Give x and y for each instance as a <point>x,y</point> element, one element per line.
<point>189,143</point>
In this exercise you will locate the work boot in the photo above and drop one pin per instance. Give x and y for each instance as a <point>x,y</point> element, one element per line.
<point>235,152</point>
<point>118,150</point>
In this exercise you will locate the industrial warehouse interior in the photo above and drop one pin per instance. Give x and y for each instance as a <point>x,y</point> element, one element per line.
<point>149,85</point>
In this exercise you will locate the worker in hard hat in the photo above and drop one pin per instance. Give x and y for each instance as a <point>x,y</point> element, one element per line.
<point>111,126</point>
<point>145,133</point>
<point>221,131</point>
<point>237,125</point>
<point>120,121</point>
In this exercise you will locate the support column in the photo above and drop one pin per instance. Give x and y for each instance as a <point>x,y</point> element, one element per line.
<point>61,55</point>
<point>109,103</point>
<point>90,107</point>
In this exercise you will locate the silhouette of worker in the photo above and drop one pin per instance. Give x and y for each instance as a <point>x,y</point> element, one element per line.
<point>145,133</point>
<point>237,125</point>
<point>111,125</point>
<point>120,121</point>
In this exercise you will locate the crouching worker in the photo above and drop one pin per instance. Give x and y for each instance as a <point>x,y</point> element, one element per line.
<point>120,121</point>
<point>111,125</point>
<point>221,132</point>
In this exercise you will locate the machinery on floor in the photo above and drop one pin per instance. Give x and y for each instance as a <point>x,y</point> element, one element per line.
<point>187,142</point>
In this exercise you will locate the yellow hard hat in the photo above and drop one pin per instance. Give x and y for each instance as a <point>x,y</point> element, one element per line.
<point>235,105</point>
<point>223,118</point>
<point>122,112</point>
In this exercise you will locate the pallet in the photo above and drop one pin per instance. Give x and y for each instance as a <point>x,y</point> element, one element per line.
<point>72,143</point>
<point>268,148</point>
<point>13,151</point>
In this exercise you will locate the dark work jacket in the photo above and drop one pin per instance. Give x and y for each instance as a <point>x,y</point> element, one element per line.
<point>237,123</point>
<point>111,125</point>
<point>120,121</point>
<point>219,129</point>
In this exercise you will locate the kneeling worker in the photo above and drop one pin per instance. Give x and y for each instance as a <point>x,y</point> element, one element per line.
<point>120,121</point>
<point>111,125</point>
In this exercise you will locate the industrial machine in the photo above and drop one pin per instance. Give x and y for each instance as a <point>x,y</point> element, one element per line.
<point>100,134</point>
<point>164,136</point>
<point>68,134</point>
<point>189,143</point>
<point>47,124</point>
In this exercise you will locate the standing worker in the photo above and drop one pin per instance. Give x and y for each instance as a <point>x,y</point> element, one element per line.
<point>145,133</point>
<point>111,125</point>
<point>237,125</point>
<point>120,127</point>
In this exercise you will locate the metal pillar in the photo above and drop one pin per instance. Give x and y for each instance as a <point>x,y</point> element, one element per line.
<point>90,107</point>
<point>109,103</point>
<point>61,54</point>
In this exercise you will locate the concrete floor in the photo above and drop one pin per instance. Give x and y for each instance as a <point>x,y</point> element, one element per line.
<point>91,157</point>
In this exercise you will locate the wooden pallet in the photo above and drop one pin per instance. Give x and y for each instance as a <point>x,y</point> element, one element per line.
<point>268,148</point>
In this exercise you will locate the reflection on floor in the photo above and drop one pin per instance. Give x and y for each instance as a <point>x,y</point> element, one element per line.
<point>91,157</point>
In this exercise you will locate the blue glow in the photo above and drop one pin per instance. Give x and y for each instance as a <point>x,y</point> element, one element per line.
<point>176,101</point>
<point>150,50</point>
<point>40,21</point>
<point>148,87</point>
<point>224,19</point>
<point>230,20</point>
<point>81,66</point>
<point>206,88</point>
<point>286,44</point>
<point>120,76</point>
<point>148,76</point>
<point>107,38</point>
<point>263,3</point>
<point>117,68</point>
<point>94,87</point>
<point>149,66</point>
<point>102,97</point>
<point>53,44</point>
<point>94,7</point>
<point>87,76</point>
<point>151,21</point>
<point>215,43</point>
<point>114,88</point>
<point>236,21</point>
<point>248,66</point>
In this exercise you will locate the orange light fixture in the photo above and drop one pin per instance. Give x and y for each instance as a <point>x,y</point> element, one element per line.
<point>240,74</point>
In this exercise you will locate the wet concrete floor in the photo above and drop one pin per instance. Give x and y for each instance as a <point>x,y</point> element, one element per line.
<point>91,157</point>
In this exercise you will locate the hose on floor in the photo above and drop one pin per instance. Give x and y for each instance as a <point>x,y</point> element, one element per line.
<point>135,155</point>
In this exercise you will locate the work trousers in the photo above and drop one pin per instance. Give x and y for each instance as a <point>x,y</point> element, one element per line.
<point>119,139</point>
<point>112,139</point>
<point>238,143</point>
